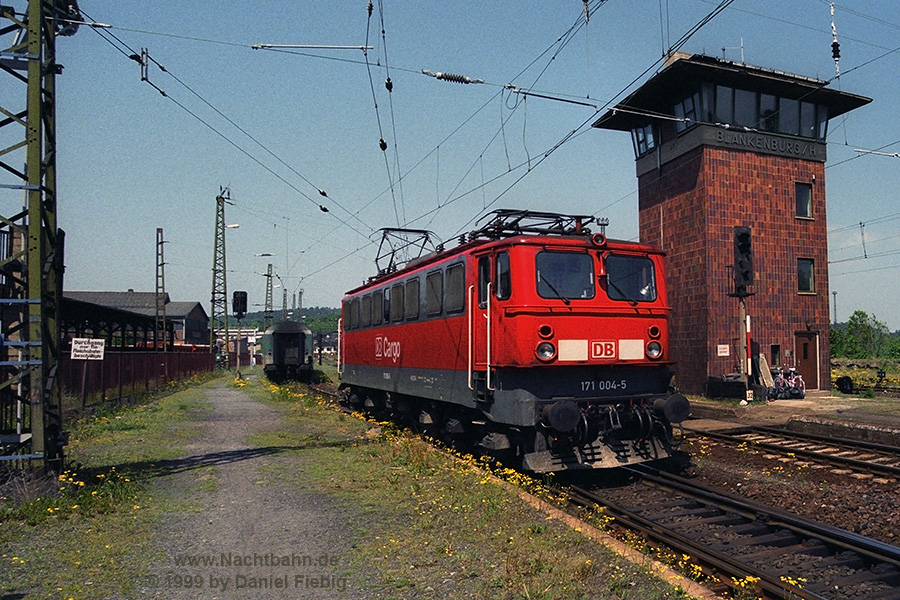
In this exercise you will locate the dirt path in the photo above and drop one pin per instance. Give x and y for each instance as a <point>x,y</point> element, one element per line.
<point>239,535</point>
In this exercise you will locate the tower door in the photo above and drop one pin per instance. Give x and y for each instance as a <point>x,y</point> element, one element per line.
<point>806,348</point>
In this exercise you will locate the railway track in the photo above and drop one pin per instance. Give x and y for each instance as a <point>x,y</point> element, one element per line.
<point>860,456</point>
<point>740,542</point>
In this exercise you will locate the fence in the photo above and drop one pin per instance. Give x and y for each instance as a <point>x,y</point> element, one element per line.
<point>122,372</point>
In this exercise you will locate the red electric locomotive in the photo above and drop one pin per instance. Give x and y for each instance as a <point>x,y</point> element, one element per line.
<point>533,337</point>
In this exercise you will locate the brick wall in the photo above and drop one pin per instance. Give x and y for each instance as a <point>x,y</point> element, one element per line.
<point>689,207</point>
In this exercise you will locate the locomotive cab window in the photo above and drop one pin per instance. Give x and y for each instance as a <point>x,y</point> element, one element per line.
<point>386,306</point>
<point>502,289</point>
<point>484,277</point>
<point>630,278</point>
<point>564,275</point>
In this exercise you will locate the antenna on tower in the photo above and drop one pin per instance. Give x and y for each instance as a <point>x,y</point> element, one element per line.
<point>835,46</point>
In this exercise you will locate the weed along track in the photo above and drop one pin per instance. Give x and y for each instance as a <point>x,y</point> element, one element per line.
<point>733,544</point>
<point>862,457</point>
<point>739,544</point>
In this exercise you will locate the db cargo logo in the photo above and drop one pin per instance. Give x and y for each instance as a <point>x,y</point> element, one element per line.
<point>384,348</point>
<point>603,349</point>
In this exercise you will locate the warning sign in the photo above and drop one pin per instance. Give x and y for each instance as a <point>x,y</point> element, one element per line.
<point>87,349</point>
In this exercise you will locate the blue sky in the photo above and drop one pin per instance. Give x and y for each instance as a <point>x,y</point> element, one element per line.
<point>276,126</point>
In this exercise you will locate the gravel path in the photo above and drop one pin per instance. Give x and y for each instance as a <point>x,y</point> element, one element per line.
<point>249,539</point>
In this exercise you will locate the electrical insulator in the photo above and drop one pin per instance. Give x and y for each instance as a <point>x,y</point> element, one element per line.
<point>382,144</point>
<point>835,50</point>
<point>389,84</point>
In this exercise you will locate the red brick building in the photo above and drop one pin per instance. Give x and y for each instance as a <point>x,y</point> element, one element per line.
<point>720,145</point>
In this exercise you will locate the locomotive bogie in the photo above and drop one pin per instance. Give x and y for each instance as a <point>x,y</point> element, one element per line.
<point>553,348</point>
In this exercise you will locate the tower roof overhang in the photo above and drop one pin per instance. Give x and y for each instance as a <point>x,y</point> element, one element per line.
<point>683,73</point>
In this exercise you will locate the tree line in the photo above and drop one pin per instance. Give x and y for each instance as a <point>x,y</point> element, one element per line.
<point>864,336</point>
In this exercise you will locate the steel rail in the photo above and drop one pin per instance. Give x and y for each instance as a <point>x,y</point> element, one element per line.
<point>854,463</point>
<point>838,540</point>
<point>720,562</point>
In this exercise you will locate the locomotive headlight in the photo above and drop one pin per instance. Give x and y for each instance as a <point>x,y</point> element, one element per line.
<point>654,350</point>
<point>545,351</point>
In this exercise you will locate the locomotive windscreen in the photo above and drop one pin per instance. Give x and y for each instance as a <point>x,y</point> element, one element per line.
<point>565,275</point>
<point>630,278</point>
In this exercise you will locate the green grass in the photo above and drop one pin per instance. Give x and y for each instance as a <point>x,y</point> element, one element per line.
<point>437,526</point>
<point>88,532</point>
<point>421,522</point>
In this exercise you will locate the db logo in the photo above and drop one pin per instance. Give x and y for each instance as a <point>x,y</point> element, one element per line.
<point>385,348</point>
<point>603,349</point>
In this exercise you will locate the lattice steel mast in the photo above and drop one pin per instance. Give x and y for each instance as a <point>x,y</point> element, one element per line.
<point>219,300</point>
<point>269,310</point>
<point>31,263</point>
<point>160,333</point>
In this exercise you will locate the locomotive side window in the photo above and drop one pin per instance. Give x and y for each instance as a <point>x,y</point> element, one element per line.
<point>455,292</point>
<point>484,277</point>
<point>366,316</point>
<point>377,307</point>
<point>564,275</point>
<point>386,306</point>
<point>630,278</point>
<point>397,302</point>
<point>354,313</point>
<point>412,299</point>
<point>503,276</point>
<point>434,293</point>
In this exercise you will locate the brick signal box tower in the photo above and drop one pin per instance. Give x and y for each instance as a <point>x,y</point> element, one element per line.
<point>721,149</point>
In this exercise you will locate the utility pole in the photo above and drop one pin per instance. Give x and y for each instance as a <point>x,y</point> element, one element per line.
<point>160,333</point>
<point>269,311</point>
<point>31,244</point>
<point>219,299</point>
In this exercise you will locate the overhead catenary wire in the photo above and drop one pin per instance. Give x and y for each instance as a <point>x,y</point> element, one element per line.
<point>145,58</point>
<point>480,161</point>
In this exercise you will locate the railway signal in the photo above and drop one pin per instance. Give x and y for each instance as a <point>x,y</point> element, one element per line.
<point>743,258</point>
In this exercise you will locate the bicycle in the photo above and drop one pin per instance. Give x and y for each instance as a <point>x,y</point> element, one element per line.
<point>786,385</point>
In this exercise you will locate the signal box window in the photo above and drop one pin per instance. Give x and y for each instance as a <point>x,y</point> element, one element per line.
<point>806,276</point>
<point>412,299</point>
<point>455,292</point>
<point>397,302</point>
<point>434,293</point>
<point>564,275</point>
<point>803,197</point>
<point>377,307</point>
<point>503,276</point>
<point>630,278</point>
<point>366,316</point>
